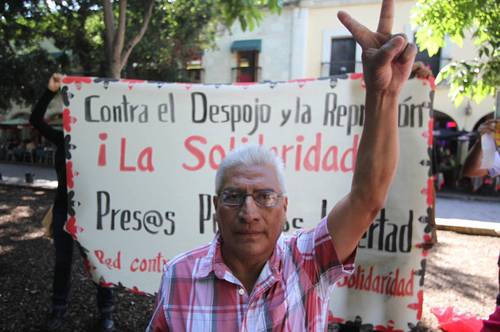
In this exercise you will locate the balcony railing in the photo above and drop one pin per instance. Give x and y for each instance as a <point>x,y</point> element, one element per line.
<point>246,74</point>
<point>326,67</point>
<point>196,75</point>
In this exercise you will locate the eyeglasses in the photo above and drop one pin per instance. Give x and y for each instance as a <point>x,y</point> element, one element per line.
<point>263,198</point>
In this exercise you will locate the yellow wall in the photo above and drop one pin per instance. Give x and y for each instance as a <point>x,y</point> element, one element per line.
<point>322,18</point>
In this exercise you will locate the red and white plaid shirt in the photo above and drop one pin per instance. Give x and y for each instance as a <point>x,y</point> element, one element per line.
<point>198,292</point>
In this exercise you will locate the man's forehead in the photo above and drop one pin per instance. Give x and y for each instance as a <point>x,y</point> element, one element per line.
<point>260,174</point>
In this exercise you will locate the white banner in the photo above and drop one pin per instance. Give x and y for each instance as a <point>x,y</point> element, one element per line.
<point>141,168</point>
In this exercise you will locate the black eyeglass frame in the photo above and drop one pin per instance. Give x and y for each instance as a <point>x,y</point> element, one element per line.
<point>243,196</point>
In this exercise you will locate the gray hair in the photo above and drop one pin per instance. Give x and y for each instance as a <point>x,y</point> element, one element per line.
<point>249,155</point>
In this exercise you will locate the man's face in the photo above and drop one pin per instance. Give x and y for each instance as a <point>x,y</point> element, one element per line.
<point>250,231</point>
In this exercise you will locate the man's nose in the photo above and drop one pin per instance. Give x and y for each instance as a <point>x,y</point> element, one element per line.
<point>249,211</point>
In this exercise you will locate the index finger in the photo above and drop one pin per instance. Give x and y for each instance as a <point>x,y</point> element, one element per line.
<point>362,35</point>
<point>386,18</point>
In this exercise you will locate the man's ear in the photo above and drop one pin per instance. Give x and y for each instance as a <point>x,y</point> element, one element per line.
<point>285,203</point>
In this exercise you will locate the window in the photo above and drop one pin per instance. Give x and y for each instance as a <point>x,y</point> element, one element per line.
<point>247,66</point>
<point>432,61</point>
<point>194,69</point>
<point>343,56</point>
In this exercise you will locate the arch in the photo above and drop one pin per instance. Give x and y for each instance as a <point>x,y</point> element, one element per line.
<point>481,120</point>
<point>20,115</point>
<point>440,116</point>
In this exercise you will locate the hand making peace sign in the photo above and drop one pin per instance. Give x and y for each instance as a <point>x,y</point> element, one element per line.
<point>387,58</point>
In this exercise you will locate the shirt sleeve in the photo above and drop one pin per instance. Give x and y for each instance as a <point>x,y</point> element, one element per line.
<point>37,119</point>
<point>158,322</point>
<point>319,257</point>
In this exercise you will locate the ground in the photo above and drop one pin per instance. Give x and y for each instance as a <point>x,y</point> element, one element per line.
<point>461,272</point>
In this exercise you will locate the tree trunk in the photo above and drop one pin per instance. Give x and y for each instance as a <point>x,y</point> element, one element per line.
<point>116,52</point>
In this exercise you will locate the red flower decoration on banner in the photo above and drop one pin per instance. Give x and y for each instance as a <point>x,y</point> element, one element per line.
<point>69,174</point>
<point>431,135</point>
<point>418,306</point>
<point>430,80</point>
<point>72,228</point>
<point>244,83</point>
<point>136,290</point>
<point>334,320</point>
<point>77,80</point>
<point>103,283</point>
<point>68,119</point>
<point>428,191</point>
<point>302,81</point>
<point>131,82</point>
<point>358,76</point>
<point>388,328</point>
<point>88,266</point>
<point>426,245</point>
<point>187,86</point>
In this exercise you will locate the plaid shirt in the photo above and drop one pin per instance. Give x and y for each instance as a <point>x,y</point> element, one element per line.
<point>198,292</point>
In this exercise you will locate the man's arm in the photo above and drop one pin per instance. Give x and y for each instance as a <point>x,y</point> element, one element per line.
<point>387,62</point>
<point>37,115</point>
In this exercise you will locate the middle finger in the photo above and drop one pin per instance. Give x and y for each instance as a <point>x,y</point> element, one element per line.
<point>386,18</point>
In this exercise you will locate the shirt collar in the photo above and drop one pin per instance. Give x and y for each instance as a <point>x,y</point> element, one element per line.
<point>213,261</point>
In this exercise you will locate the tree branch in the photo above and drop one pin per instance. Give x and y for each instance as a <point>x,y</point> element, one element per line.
<point>120,32</point>
<point>109,25</point>
<point>137,38</point>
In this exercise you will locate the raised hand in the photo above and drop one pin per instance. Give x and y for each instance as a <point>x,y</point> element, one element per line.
<point>387,58</point>
<point>55,82</point>
<point>488,127</point>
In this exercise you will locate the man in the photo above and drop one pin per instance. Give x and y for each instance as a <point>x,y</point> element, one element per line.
<point>472,164</point>
<point>251,277</point>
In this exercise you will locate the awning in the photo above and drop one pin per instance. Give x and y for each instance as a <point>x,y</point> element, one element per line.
<point>246,45</point>
<point>461,135</point>
<point>14,122</point>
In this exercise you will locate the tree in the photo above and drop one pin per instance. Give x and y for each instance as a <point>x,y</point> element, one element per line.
<point>118,50</point>
<point>474,78</point>
<point>98,37</point>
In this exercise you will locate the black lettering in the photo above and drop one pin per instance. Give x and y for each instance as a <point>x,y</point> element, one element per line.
<point>103,204</point>
<point>201,95</point>
<point>88,109</point>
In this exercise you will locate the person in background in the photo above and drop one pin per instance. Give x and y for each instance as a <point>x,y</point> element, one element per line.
<point>63,242</point>
<point>472,164</point>
<point>420,70</point>
<point>472,168</point>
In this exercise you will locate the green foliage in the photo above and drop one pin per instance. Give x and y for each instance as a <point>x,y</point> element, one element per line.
<point>177,30</point>
<point>435,19</point>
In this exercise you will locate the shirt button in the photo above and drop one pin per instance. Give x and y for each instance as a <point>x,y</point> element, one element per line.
<point>241,291</point>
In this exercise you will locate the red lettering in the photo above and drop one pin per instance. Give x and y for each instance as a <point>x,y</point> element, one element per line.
<point>197,153</point>
<point>124,168</point>
<point>102,150</point>
<point>99,254</point>
<point>298,155</point>
<point>220,150</point>
<point>146,155</point>
<point>314,150</point>
<point>353,153</point>
<point>133,267</point>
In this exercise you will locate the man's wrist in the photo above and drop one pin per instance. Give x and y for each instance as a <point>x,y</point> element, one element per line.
<point>381,100</point>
